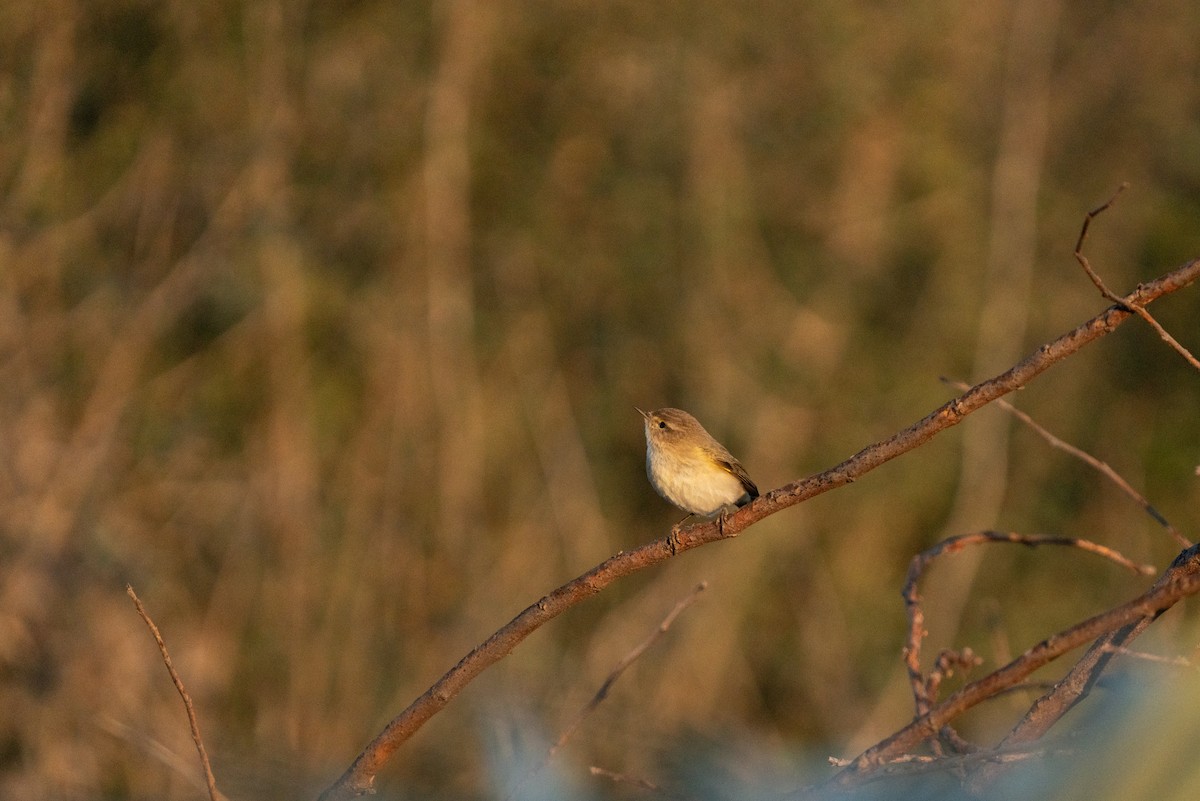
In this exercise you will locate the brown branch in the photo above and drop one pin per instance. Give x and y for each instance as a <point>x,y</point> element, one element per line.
<point>1069,691</point>
<point>213,793</point>
<point>602,693</point>
<point>359,778</point>
<point>1135,307</point>
<point>944,666</point>
<point>1180,580</point>
<point>915,765</point>
<point>1171,661</point>
<point>1079,681</point>
<point>633,781</point>
<point>1103,467</point>
<point>1083,232</point>
<point>924,688</point>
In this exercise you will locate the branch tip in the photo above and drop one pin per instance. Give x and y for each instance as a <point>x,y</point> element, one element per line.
<point>210,780</point>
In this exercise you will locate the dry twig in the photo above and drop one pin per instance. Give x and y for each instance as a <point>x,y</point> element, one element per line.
<point>1068,691</point>
<point>1172,661</point>
<point>1179,581</point>
<point>1103,467</point>
<point>634,781</point>
<point>602,693</point>
<point>924,688</point>
<point>916,764</point>
<point>1133,306</point>
<point>213,793</point>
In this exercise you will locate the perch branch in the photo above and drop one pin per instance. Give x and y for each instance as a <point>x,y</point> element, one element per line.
<point>359,777</point>
<point>213,793</point>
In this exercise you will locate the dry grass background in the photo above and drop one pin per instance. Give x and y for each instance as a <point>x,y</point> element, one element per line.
<point>322,325</point>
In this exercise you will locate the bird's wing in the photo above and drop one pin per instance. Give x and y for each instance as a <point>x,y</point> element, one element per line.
<point>733,466</point>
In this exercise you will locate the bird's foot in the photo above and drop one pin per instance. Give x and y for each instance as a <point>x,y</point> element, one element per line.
<point>721,520</point>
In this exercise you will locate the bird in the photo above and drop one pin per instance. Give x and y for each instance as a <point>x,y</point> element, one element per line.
<point>689,468</point>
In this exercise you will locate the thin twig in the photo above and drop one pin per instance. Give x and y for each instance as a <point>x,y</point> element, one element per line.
<point>359,777</point>
<point>918,764</point>
<point>1083,232</point>
<point>1085,457</point>
<point>179,763</point>
<point>1173,661</point>
<point>1136,308</point>
<point>1179,581</point>
<point>213,793</point>
<point>924,690</point>
<point>623,778</point>
<point>1077,684</point>
<point>944,666</point>
<point>602,693</point>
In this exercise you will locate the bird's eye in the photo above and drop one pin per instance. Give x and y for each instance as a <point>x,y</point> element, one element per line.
<point>662,424</point>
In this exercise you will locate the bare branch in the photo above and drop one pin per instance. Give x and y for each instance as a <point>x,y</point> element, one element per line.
<point>1065,694</point>
<point>1092,461</point>
<point>948,660</point>
<point>912,599</point>
<point>1133,306</point>
<point>1180,580</point>
<point>213,793</point>
<point>1173,661</point>
<point>914,764</point>
<point>925,688</point>
<point>602,693</point>
<point>1083,232</point>
<point>634,781</point>
<point>359,778</point>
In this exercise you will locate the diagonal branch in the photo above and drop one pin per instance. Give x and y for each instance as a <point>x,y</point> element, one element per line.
<point>359,778</point>
<point>613,675</point>
<point>922,688</point>
<point>1133,306</point>
<point>1079,681</point>
<point>1085,457</point>
<point>213,793</point>
<point>1179,581</point>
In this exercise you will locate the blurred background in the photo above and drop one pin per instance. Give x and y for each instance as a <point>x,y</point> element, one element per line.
<point>322,325</point>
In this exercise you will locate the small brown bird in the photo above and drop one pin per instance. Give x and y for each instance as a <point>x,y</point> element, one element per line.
<point>691,469</point>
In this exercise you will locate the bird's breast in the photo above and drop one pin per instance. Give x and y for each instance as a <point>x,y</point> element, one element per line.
<point>693,482</point>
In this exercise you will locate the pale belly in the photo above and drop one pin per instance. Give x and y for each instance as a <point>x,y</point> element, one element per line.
<point>698,487</point>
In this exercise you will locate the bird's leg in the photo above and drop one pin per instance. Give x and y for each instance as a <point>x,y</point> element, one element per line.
<point>676,530</point>
<point>678,527</point>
